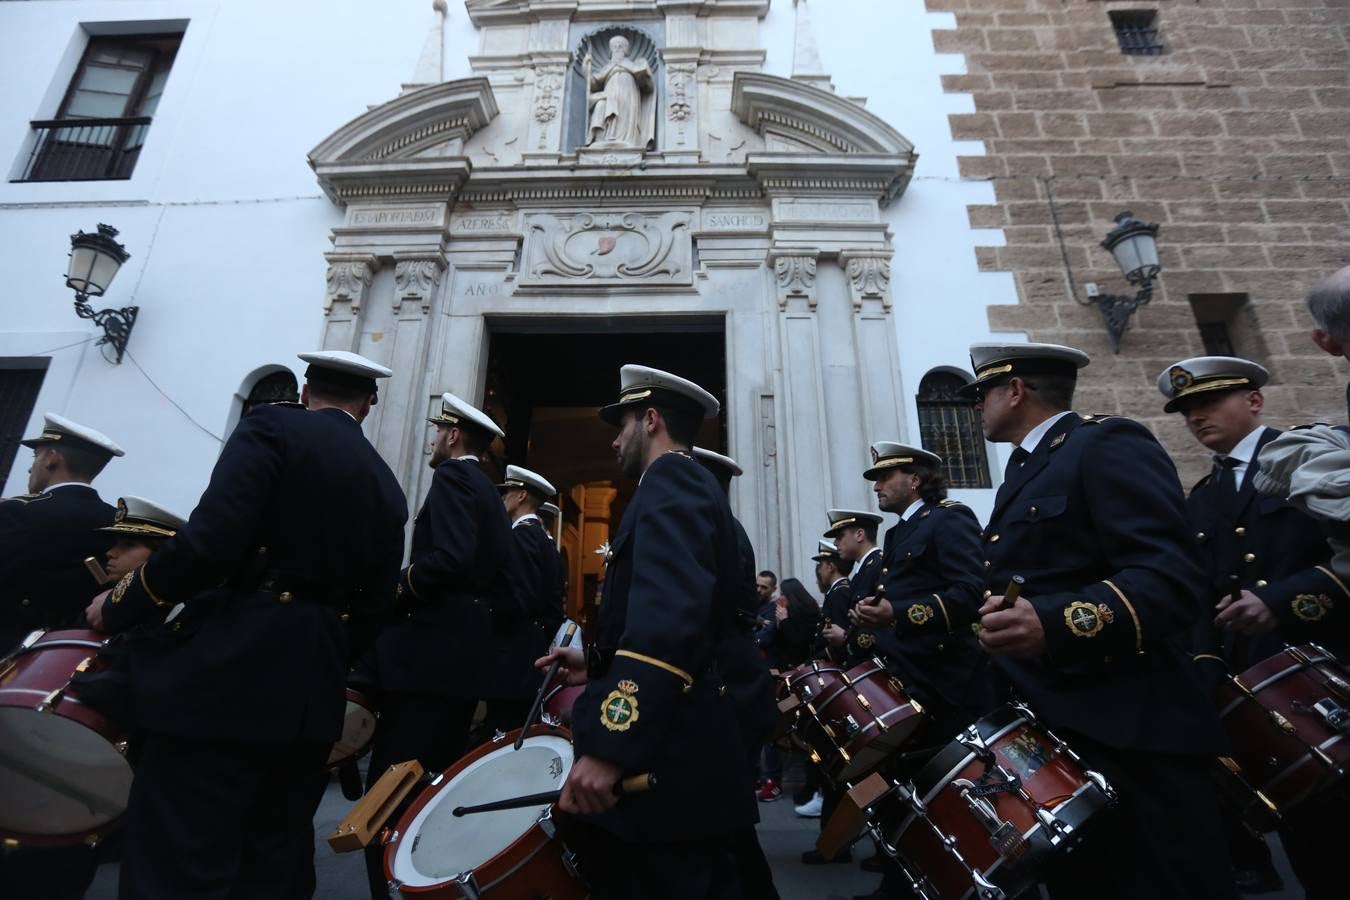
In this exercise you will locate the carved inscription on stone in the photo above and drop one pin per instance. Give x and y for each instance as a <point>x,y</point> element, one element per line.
<point>608,248</point>
<point>399,215</point>
<point>735,220</point>
<point>483,224</point>
<point>825,211</point>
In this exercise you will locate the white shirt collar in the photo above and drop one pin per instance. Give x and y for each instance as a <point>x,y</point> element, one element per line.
<point>525,518</point>
<point>1246,448</point>
<point>912,509</point>
<point>835,583</point>
<point>51,487</point>
<point>468,457</point>
<point>1034,436</point>
<point>865,557</point>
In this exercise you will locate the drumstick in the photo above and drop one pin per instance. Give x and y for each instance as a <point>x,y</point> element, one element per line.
<point>543,688</point>
<point>633,784</point>
<point>1013,591</point>
<point>97,571</point>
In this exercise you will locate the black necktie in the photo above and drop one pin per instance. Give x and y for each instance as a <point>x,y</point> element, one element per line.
<point>1015,461</point>
<point>1225,471</point>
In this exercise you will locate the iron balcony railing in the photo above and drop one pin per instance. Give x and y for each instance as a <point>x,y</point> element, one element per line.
<point>85,149</point>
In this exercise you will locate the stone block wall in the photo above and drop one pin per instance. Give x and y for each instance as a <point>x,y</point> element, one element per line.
<point>1235,139</point>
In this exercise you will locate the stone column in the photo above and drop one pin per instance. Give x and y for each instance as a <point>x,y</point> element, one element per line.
<point>803,443</point>
<point>869,277</point>
<point>844,378</point>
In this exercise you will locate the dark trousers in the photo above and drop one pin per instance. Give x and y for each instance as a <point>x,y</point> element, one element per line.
<point>1165,839</point>
<point>432,730</point>
<point>616,869</point>
<point>222,820</point>
<point>1314,840</point>
<point>756,875</point>
<point>52,873</point>
<point>505,716</point>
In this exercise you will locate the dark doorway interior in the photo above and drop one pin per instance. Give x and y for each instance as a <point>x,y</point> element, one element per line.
<point>544,386</point>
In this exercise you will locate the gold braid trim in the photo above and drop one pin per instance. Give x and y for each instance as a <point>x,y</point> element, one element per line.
<point>659,663</point>
<point>942,606</point>
<point>1138,631</point>
<point>407,578</point>
<point>1332,575</point>
<point>153,596</point>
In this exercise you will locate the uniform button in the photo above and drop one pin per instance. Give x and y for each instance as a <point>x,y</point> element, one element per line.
<point>988,594</point>
<point>1199,535</point>
<point>941,647</point>
<point>25,601</point>
<point>177,626</point>
<point>1033,510</point>
<point>262,551</point>
<point>1261,582</point>
<point>994,539</point>
<point>1106,659</point>
<point>884,571</point>
<point>987,564</point>
<point>344,617</point>
<point>1239,531</point>
<point>1250,557</point>
<point>286,597</point>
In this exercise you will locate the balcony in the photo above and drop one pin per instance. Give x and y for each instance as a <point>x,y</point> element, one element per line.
<point>85,149</point>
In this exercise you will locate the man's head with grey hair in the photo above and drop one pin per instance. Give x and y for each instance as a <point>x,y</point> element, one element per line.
<point>1329,304</point>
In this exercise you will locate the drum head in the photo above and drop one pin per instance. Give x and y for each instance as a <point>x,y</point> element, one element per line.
<point>57,777</point>
<point>436,846</point>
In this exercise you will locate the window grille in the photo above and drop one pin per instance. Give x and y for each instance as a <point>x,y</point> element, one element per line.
<point>1137,32</point>
<point>949,426</point>
<point>103,121</point>
<point>19,388</point>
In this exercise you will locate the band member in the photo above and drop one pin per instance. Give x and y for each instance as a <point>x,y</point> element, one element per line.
<point>48,533</point>
<point>658,698</point>
<point>457,571</point>
<point>832,579</point>
<point>1090,514</point>
<point>139,528</point>
<point>855,537</point>
<point>752,682</point>
<point>302,522</point>
<point>1269,579</point>
<point>932,574</point>
<point>522,633</point>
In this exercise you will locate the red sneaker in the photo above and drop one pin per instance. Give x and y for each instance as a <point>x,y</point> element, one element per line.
<point>770,792</point>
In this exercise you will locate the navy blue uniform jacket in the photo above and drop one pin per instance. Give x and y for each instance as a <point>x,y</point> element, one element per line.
<point>1095,522</point>
<point>523,632</point>
<point>457,572</point>
<point>1275,552</point>
<point>301,523</point>
<point>44,541</point>
<point>666,645</point>
<point>931,567</point>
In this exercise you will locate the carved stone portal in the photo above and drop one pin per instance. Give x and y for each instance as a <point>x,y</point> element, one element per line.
<point>613,248</point>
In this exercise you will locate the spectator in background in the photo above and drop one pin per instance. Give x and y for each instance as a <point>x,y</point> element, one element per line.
<point>766,584</point>
<point>795,615</point>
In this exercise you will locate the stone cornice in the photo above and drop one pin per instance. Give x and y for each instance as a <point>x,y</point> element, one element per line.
<point>402,127</point>
<point>878,176</point>
<point>515,12</point>
<point>409,178</point>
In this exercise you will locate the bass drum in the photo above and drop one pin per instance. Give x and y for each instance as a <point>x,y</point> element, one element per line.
<point>505,855</point>
<point>64,775</point>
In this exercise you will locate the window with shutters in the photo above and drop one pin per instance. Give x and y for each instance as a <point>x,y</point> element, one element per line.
<point>949,426</point>
<point>20,381</point>
<point>105,117</point>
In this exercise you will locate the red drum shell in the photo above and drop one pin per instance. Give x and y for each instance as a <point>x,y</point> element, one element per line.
<point>560,699</point>
<point>1287,751</point>
<point>63,773</point>
<point>358,730</point>
<point>1051,776</point>
<point>533,866</point>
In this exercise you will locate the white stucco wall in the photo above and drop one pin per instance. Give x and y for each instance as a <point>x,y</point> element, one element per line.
<point>226,224</point>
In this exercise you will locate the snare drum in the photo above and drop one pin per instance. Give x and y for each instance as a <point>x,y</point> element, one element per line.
<point>852,720</point>
<point>559,700</point>
<point>64,775</point>
<point>506,855</point>
<point>990,809</point>
<point>1288,719</point>
<point>358,730</point>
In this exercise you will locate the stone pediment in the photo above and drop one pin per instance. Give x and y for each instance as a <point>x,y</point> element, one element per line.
<point>420,135</point>
<point>806,127</point>
<point>495,12</point>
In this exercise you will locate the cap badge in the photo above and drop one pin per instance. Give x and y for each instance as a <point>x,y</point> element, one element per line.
<point>619,712</point>
<point>1180,378</point>
<point>121,510</point>
<point>875,455</point>
<point>1083,619</point>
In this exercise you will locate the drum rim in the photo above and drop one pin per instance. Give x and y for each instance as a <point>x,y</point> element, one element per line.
<point>990,728</point>
<point>443,781</point>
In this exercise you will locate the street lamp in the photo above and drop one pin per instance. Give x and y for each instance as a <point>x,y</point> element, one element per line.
<point>1134,245</point>
<point>94,261</point>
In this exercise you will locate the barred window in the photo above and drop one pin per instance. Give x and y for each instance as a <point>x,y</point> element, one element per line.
<point>950,427</point>
<point>1137,31</point>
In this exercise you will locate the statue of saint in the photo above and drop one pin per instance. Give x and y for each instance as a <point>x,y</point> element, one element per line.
<point>619,100</point>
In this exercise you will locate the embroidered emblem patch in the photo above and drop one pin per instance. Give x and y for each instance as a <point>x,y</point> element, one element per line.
<point>620,710</point>
<point>866,641</point>
<point>1311,607</point>
<point>920,613</point>
<point>1180,378</point>
<point>1083,619</point>
<point>122,587</point>
<point>1059,439</point>
<point>1108,616</point>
